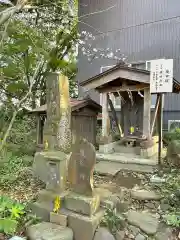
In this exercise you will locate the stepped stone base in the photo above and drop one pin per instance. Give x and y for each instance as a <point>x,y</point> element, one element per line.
<point>82,204</point>
<point>45,203</point>
<point>83,227</point>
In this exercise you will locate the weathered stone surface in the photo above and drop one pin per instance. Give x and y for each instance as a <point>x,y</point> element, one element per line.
<point>145,221</point>
<point>42,209</point>
<point>103,234</point>
<point>144,195</point>
<point>157,180</point>
<point>120,235</point>
<point>50,167</point>
<point>164,232</point>
<point>58,219</point>
<point>49,231</point>
<point>134,230</point>
<point>84,227</point>
<point>81,167</point>
<point>108,199</point>
<point>103,192</point>
<point>122,207</point>
<point>150,205</point>
<point>163,235</point>
<point>140,237</point>
<point>82,204</point>
<point>164,207</point>
<point>57,134</point>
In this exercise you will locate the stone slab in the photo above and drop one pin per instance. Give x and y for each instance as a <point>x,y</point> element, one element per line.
<point>145,221</point>
<point>49,231</point>
<point>81,167</point>
<point>82,204</point>
<point>83,227</point>
<point>103,234</point>
<point>125,158</point>
<point>112,168</point>
<point>142,194</point>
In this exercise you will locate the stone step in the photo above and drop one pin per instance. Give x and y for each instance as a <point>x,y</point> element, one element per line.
<point>112,168</point>
<point>126,158</point>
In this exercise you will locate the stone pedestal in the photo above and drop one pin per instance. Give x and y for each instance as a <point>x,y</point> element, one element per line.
<point>51,168</point>
<point>82,204</point>
<point>83,227</point>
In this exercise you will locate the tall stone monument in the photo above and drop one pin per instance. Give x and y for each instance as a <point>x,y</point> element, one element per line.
<point>57,132</point>
<point>50,165</point>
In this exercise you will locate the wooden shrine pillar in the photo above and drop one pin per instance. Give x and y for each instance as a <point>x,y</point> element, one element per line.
<point>147,113</point>
<point>38,129</point>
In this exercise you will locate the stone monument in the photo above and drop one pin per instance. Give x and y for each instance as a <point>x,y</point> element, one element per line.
<point>50,165</point>
<point>82,204</point>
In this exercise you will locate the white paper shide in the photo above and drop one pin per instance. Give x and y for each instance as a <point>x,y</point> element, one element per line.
<point>161,76</point>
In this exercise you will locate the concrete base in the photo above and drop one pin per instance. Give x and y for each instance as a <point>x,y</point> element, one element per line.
<point>83,227</point>
<point>82,204</point>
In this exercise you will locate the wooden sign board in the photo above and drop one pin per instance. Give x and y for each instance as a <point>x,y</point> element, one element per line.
<point>161,76</point>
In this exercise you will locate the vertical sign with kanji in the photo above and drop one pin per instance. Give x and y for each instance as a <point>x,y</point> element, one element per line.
<point>161,76</point>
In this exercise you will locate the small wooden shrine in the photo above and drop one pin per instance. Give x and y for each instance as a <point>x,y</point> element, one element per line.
<point>83,119</point>
<point>137,124</point>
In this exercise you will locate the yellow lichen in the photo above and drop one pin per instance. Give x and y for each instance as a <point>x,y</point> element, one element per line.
<point>57,204</point>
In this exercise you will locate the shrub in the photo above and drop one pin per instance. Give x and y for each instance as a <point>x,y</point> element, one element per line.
<point>10,213</point>
<point>170,136</point>
<point>112,220</point>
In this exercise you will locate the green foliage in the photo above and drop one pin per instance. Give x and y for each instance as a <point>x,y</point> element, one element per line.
<point>22,138</point>
<point>172,220</point>
<point>173,135</point>
<point>112,221</point>
<point>10,213</point>
<point>14,216</point>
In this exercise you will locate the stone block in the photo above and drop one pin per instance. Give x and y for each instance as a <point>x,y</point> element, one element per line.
<point>58,218</point>
<point>49,195</point>
<point>106,148</point>
<point>84,227</point>
<point>103,234</point>
<point>49,231</point>
<point>42,210</point>
<point>82,204</point>
<point>42,163</point>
